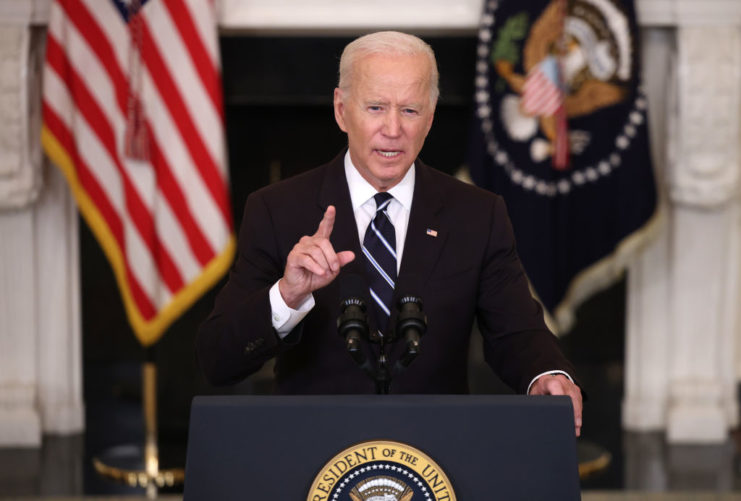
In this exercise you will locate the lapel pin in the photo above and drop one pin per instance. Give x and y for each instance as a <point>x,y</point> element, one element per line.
<point>432,233</point>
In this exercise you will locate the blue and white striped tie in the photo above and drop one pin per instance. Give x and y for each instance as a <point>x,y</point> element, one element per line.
<point>379,248</point>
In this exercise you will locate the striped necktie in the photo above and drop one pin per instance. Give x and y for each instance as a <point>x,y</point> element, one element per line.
<point>379,248</point>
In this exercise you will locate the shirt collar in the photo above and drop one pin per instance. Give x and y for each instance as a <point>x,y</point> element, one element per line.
<point>361,190</point>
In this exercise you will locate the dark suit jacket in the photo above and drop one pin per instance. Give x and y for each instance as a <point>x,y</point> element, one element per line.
<point>469,270</point>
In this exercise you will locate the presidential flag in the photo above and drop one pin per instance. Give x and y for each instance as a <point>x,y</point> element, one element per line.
<point>133,116</point>
<point>561,133</point>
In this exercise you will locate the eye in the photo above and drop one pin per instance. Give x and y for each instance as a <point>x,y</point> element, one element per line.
<point>374,108</point>
<point>410,111</point>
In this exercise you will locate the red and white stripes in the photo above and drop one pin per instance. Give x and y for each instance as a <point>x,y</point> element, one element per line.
<point>165,223</point>
<point>540,95</point>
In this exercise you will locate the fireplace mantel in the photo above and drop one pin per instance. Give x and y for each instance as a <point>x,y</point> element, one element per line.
<point>441,16</point>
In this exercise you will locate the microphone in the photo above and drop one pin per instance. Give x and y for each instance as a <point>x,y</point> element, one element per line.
<point>411,323</point>
<point>352,324</point>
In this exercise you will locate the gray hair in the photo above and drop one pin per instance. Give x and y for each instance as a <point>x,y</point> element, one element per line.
<point>387,42</point>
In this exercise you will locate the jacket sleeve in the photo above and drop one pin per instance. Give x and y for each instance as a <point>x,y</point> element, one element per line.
<point>517,344</point>
<point>238,336</point>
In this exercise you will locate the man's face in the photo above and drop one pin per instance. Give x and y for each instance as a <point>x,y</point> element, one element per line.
<point>386,114</point>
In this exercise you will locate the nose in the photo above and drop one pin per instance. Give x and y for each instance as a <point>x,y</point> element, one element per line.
<point>392,124</point>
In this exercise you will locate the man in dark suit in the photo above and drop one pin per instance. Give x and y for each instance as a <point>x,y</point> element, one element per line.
<point>442,240</point>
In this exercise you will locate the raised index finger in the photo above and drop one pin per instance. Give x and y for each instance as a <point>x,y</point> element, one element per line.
<point>327,223</point>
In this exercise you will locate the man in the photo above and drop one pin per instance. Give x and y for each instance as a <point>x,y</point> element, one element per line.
<point>437,238</point>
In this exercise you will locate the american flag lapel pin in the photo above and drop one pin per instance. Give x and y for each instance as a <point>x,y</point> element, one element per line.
<point>431,232</point>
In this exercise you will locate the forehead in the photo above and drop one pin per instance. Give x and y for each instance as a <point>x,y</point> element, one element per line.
<point>392,76</point>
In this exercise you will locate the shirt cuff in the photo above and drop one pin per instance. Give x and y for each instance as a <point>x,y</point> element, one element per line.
<point>546,374</point>
<point>283,317</point>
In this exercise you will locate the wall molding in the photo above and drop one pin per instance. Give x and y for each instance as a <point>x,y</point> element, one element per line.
<point>440,16</point>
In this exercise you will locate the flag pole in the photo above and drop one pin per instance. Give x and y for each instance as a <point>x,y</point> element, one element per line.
<point>149,408</point>
<point>132,465</point>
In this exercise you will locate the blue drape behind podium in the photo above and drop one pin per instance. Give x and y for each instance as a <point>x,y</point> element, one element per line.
<point>577,223</point>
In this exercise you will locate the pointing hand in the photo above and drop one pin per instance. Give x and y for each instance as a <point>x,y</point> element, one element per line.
<point>312,263</point>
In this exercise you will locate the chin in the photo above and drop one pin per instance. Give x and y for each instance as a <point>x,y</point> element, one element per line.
<point>389,175</point>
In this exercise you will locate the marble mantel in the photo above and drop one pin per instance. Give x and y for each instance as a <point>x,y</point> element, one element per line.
<point>683,357</point>
<point>441,16</point>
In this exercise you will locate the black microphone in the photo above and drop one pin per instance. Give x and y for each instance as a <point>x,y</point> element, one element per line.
<point>411,323</point>
<point>352,324</point>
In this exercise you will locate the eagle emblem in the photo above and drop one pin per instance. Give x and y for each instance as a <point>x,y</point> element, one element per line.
<point>381,470</point>
<point>558,97</point>
<point>381,488</point>
<point>574,59</point>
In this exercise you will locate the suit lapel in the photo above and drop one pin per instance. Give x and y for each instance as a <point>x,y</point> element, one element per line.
<point>425,235</point>
<point>424,242</point>
<point>422,248</point>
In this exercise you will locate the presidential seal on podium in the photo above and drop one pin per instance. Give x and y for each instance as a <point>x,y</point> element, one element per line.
<point>381,470</point>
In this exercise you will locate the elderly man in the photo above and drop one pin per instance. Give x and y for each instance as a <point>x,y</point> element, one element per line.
<point>376,210</point>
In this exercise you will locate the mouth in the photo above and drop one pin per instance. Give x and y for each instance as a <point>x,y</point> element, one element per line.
<point>389,153</point>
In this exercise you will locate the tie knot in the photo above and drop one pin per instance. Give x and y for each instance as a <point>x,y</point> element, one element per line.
<point>382,200</point>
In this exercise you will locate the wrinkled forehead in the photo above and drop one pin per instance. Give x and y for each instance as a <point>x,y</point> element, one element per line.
<point>406,76</point>
<point>417,63</point>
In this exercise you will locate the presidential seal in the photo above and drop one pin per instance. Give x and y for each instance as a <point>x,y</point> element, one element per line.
<point>557,91</point>
<point>381,470</point>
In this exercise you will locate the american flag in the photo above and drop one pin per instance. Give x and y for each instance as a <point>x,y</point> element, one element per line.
<point>133,116</point>
<point>543,95</point>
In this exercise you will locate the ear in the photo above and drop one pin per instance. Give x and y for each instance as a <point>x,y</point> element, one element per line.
<point>339,109</point>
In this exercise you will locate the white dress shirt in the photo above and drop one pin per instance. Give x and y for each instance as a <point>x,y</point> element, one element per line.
<point>285,318</point>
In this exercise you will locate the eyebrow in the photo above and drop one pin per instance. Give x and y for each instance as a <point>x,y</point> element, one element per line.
<point>376,102</point>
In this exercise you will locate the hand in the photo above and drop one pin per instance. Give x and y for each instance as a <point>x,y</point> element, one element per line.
<point>312,263</point>
<point>558,384</point>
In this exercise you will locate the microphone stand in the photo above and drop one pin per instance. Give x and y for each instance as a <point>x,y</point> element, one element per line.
<point>352,325</point>
<point>383,374</point>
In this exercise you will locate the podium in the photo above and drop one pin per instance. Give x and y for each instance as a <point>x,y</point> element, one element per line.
<point>416,447</point>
